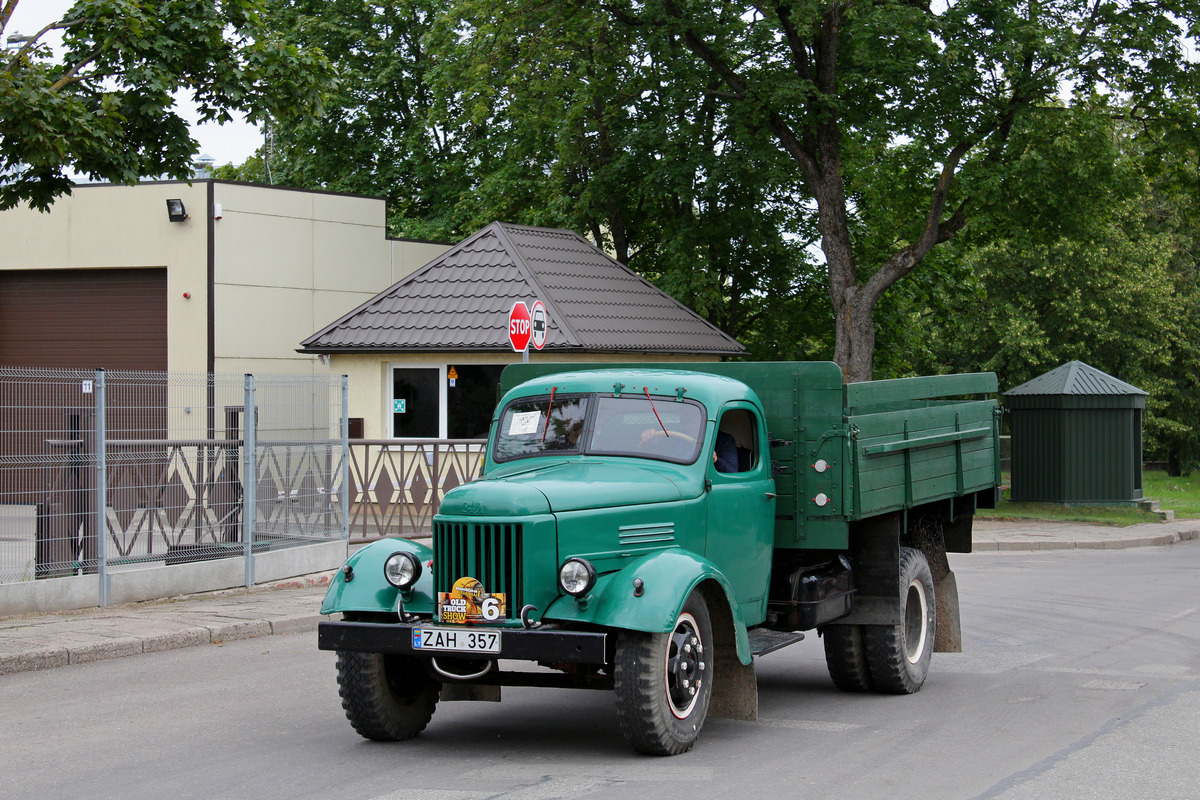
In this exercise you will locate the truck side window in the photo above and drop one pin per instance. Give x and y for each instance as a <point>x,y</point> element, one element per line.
<point>737,442</point>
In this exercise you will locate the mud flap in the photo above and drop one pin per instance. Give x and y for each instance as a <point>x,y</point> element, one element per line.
<point>948,636</point>
<point>735,688</point>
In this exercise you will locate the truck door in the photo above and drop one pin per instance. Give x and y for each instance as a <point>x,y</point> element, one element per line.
<point>741,507</point>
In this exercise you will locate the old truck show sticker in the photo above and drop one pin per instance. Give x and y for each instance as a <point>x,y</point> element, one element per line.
<point>468,603</point>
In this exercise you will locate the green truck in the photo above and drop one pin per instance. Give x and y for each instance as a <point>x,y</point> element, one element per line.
<point>651,528</point>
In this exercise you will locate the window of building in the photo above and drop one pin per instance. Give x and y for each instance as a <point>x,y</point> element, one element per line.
<point>471,399</point>
<point>450,401</point>
<point>416,403</point>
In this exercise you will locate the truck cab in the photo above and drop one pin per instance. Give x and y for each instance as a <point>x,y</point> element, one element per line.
<point>593,468</point>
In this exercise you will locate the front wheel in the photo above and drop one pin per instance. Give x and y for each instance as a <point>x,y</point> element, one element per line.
<point>663,682</point>
<point>899,654</point>
<point>387,698</point>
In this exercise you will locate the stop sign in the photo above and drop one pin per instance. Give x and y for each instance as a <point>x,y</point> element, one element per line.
<point>520,327</point>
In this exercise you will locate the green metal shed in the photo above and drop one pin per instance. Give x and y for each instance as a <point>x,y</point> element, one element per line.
<point>1076,438</point>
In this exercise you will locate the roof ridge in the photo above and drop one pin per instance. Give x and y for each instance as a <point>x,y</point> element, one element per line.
<point>539,290</point>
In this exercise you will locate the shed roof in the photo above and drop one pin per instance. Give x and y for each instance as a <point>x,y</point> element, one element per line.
<point>1075,378</point>
<point>461,301</point>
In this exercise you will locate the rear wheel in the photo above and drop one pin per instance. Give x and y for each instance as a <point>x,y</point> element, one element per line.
<point>899,655</point>
<point>387,698</point>
<point>663,682</point>
<point>846,657</point>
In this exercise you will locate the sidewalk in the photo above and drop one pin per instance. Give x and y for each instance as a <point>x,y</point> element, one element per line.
<point>290,607</point>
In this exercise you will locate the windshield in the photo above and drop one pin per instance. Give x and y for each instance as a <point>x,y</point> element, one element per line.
<point>659,428</point>
<point>662,428</point>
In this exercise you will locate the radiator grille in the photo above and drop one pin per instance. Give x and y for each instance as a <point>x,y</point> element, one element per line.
<point>488,552</point>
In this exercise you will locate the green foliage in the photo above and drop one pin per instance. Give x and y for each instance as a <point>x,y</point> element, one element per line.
<point>461,113</point>
<point>104,108</point>
<point>377,136</point>
<point>1107,275</point>
<point>967,170</point>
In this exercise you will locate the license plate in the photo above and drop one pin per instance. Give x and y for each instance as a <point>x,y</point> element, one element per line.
<point>458,641</point>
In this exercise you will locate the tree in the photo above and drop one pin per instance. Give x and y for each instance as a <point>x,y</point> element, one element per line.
<point>573,119</point>
<point>460,113</point>
<point>1092,256</point>
<point>897,116</point>
<point>104,106</point>
<point>377,136</point>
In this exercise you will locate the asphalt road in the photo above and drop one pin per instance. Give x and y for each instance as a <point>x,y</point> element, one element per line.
<point>1080,678</point>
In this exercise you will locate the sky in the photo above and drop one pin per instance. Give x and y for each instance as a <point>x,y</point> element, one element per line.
<point>231,143</point>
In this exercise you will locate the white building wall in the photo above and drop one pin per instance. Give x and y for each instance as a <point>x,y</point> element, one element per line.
<point>288,263</point>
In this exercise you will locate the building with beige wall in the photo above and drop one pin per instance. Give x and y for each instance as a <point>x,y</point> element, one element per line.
<point>425,355</point>
<point>106,278</point>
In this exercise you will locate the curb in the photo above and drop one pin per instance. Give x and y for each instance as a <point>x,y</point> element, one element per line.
<point>186,635</point>
<point>1099,544</point>
<point>133,645</point>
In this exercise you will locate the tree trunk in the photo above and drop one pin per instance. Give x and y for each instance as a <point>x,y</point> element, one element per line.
<point>854,347</point>
<point>853,308</point>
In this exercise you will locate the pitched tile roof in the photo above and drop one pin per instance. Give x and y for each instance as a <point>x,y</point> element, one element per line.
<point>1075,378</point>
<point>461,301</point>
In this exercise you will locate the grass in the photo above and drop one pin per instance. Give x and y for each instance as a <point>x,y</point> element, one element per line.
<point>1181,495</point>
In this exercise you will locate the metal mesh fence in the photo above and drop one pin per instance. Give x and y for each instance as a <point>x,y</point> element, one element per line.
<point>118,470</point>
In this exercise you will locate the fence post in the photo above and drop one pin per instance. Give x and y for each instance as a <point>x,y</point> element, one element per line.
<point>101,487</point>
<point>249,478</point>
<point>345,493</point>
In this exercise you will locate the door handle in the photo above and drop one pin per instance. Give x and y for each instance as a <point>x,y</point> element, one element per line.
<point>770,495</point>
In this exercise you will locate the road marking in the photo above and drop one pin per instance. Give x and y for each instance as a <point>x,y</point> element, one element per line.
<point>1165,671</point>
<point>1110,686</point>
<point>535,784</point>
<point>651,771</point>
<point>434,794</point>
<point>810,725</point>
<point>985,663</point>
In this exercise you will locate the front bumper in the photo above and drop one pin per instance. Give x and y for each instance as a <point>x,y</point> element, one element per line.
<point>540,644</point>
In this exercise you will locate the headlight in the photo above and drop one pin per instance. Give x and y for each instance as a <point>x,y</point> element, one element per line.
<point>576,576</point>
<point>402,570</point>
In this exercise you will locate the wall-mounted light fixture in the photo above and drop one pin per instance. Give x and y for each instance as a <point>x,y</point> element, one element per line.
<point>175,211</point>
<point>17,41</point>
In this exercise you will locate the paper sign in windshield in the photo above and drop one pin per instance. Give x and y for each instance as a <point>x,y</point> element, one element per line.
<point>524,423</point>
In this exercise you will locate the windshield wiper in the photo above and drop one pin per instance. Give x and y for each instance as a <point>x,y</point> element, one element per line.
<point>549,408</point>
<point>655,410</point>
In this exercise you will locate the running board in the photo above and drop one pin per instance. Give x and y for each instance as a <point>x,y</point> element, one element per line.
<point>763,641</point>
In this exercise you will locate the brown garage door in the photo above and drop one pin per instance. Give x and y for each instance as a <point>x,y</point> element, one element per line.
<point>75,319</point>
<point>84,318</point>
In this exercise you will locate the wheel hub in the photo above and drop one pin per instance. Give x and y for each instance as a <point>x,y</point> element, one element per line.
<point>685,668</point>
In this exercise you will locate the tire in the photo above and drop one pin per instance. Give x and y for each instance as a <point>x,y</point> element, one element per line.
<point>846,657</point>
<point>386,698</point>
<point>663,682</point>
<point>899,655</point>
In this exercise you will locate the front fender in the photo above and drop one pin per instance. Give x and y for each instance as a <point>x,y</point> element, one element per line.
<point>368,590</point>
<point>668,577</point>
